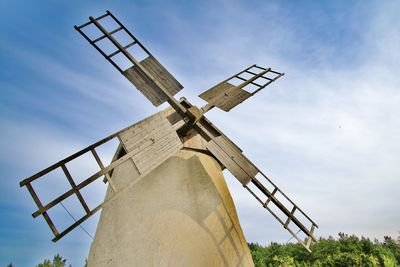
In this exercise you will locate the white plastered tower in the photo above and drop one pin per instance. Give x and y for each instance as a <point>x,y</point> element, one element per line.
<point>180,214</point>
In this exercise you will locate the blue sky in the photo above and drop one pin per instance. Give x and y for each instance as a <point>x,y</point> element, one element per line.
<point>327,132</point>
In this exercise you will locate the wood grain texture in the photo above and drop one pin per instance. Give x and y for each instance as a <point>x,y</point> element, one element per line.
<point>152,140</point>
<point>194,140</point>
<point>232,159</point>
<point>225,96</point>
<point>145,83</point>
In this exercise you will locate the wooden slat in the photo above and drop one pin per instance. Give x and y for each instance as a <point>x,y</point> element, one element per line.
<point>106,175</point>
<point>226,80</point>
<point>243,79</point>
<point>309,239</point>
<point>215,91</point>
<point>97,19</point>
<point>40,206</point>
<point>149,87</point>
<point>98,49</point>
<point>161,149</point>
<point>234,98</point>
<point>119,51</point>
<point>228,162</point>
<point>266,84</point>
<point>145,85</point>
<point>153,141</point>
<point>280,206</point>
<point>269,198</point>
<point>104,36</point>
<point>287,198</point>
<point>146,156</point>
<point>140,140</point>
<point>278,73</point>
<point>156,155</point>
<point>142,133</point>
<point>129,33</point>
<point>149,164</point>
<point>245,171</point>
<point>214,136</point>
<point>225,96</point>
<point>72,157</point>
<point>289,217</point>
<point>161,74</point>
<point>232,159</point>
<point>133,136</point>
<point>73,185</point>
<point>262,77</point>
<point>145,81</point>
<point>204,120</point>
<point>237,156</point>
<point>259,67</point>
<point>193,140</point>
<point>143,72</point>
<point>253,194</point>
<point>75,224</point>
<point>84,183</point>
<point>120,133</point>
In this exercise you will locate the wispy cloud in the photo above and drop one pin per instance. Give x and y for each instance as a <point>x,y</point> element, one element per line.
<point>327,132</point>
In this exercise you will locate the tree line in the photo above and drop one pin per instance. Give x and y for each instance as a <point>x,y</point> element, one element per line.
<point>343,251</point>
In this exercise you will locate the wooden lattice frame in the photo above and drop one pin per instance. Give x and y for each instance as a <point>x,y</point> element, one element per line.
<point>225,95</point>
<point>124,152</point>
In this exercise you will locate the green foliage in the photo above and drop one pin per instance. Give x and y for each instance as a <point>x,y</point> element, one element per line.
<point>346,250</point>
<point>58,261</point>
<point>283,261</point>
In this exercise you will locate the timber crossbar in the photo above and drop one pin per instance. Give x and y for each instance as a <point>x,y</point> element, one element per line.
<point>288,212</point>
<point>108,35</point>
<point>260,76</point>
<point>75,188</point>
<point>238,87</point>
<point>128,56</point>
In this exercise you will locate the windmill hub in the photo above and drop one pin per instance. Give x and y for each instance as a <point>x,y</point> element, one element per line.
<point>194,114</point>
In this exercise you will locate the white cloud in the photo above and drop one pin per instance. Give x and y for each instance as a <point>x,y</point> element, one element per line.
<point>330,138</point>
<point>326,133</point>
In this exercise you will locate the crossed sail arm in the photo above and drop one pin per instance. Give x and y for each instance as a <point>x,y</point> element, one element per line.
<point>145,144</point>
<point>270,196</point>
<point>150,142</point>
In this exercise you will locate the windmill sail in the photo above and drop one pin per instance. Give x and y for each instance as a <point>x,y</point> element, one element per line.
<point>145,144</point>
<point>270,196</point>
<point>237,88</point>
<point>147,75</point>
<point>151,141</point>
<point>145,84</point>
<point>282,208</point>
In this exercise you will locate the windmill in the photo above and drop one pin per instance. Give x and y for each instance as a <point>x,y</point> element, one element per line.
<point>152,141</point>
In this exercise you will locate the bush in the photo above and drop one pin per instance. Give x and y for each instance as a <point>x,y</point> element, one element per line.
<point>346,250</point>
